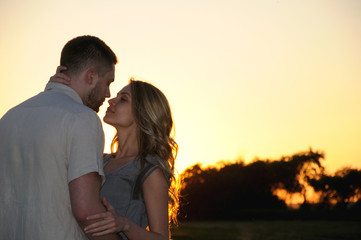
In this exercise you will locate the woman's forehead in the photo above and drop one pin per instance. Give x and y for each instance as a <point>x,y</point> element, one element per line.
<point>125,90</point>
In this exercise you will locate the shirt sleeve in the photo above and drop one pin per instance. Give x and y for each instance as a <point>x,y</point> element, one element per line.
<point>86,146</point>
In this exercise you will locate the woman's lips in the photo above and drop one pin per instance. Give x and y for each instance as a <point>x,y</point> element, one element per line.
<point>109,110</point>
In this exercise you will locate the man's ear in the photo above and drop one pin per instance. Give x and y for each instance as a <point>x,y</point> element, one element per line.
<point>91,77</point>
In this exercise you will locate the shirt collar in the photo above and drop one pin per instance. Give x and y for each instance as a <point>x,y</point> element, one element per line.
<point>59,87</point>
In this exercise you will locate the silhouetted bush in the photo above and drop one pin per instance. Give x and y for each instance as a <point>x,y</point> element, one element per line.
<point>237,191</point>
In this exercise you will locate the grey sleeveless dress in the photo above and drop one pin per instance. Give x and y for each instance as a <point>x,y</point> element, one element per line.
<point>123,189</point>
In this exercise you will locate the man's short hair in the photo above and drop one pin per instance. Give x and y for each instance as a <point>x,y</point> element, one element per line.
<point>85,51</point>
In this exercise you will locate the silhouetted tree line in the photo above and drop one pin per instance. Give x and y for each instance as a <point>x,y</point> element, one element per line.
<point>238,190</point>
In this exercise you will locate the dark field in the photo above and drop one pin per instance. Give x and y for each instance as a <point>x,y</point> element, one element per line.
<point>269,230</point>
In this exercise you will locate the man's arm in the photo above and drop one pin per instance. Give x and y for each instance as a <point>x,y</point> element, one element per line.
<point>85,201</point>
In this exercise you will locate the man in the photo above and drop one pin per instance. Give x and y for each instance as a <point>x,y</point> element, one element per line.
<point>51,150</point>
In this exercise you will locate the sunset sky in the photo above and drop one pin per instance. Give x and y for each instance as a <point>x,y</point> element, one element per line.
<point>245,79</point>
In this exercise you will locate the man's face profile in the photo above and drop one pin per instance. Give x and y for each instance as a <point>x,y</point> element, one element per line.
<point>100,91</point>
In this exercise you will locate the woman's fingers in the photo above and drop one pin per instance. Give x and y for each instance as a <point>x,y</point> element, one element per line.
<point>110,230</point>
<point>95,227</point>
<point>106,221</point>
<point>107,205</point>
<point>60,68</point>
<point>101,227</point>
<point>99,216</point>
<point>60,78</point>
<point>63,76</point>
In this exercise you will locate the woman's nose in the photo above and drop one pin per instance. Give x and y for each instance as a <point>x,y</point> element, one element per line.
<point>111,101</point>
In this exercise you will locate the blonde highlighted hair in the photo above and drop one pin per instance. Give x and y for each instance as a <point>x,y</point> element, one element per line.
<point>155,132</point>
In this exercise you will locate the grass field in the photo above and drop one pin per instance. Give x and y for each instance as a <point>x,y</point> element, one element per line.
<point>268,230</point>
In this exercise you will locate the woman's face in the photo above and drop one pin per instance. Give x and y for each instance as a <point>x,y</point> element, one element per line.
<point>119,113</point>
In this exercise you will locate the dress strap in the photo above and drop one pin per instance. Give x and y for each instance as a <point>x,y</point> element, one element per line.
<point>106,158</point>
<point>137,189</point>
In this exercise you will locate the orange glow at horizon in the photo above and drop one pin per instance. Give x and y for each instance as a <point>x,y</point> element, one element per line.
<point>296,199</point>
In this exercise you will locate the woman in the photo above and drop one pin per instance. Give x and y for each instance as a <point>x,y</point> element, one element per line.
<point>140,183</point>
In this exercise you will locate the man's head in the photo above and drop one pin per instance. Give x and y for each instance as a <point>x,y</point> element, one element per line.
<point>90,64</point>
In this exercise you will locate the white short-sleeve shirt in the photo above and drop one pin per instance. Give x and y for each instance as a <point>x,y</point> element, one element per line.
<point>45,143</point>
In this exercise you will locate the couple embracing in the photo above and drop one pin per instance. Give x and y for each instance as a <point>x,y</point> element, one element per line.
<point>56,182</point>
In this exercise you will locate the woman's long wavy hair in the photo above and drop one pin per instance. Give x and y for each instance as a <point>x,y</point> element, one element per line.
<point>155,128</point>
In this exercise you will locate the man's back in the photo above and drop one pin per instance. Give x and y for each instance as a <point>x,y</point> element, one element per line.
<point>36,143</point>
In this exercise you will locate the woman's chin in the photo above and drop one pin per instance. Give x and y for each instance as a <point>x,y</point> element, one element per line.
<point>107,121</point>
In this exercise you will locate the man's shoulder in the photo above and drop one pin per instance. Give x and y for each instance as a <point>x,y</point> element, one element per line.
<point>57,105</point>
<point>63,102</point>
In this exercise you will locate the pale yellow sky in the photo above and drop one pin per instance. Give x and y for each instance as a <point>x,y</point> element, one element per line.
<point>245,79</point>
